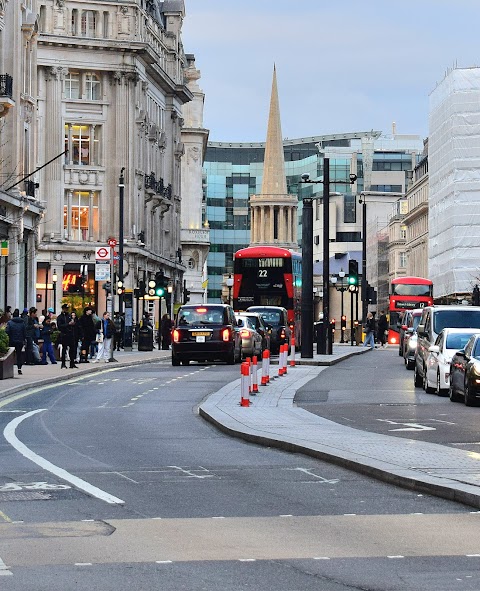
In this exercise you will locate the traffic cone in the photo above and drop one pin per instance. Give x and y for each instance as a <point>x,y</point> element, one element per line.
<point>264,380</point>
<point>244,382</point>
<point>254,375</point>
<point>292,353</point>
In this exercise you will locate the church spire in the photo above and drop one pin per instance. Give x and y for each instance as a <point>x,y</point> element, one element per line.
<point>274,211</point>
<point>274,181</point>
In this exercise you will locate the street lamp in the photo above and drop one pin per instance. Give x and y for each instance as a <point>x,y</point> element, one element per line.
<point>121,188</point>
<point>342,287</point>
<point>54,284</point>
<point>307,264</point>
<point>229,284</point>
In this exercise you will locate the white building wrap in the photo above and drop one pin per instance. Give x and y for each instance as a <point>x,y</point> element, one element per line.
<point>454,171</point>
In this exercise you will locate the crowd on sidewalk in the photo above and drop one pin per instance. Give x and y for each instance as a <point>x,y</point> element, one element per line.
<point>69,337</point>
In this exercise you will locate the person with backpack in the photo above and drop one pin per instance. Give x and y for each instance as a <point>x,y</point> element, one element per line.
<point>17,335</point>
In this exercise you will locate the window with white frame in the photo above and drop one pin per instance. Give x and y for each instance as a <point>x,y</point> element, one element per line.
<point>82,143</point>
<point>72,85</point>
<point>402,260</point>
<point>80,215</point>
<point>92,87</point>
<point>88,23</point>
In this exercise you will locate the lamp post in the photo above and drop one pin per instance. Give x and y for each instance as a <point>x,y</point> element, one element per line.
<point>121,189</point>
<point>229,284</point>
<point>54,284</point>
<point>363,203</point>
<point>325,345</point>
<point>342,288</point>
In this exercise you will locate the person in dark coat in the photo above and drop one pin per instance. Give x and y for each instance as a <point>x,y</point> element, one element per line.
<point>166,331</point>
<point>33,332</point>
<point>17,335</point>
<point>382,328</point>
<point>87,332</point>
<point>65,325</point>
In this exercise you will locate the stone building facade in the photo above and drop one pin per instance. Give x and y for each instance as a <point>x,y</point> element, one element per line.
<point>111,91</point>
<point>21,210</point>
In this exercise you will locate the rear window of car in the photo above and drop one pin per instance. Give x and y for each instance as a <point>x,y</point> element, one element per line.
<point>457,341</point>
<point>272,317</point>
<point>203,315</point>
<point>455,319</point>
<point>248,322</point>
<point>416,321</point>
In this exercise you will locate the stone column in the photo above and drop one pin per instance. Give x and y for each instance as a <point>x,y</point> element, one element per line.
<point>262,225</point>
<point>69,215</point>
<point>253,228</point>
<point>54,145</point>
<point>271,224</point>
<point>91,200</point>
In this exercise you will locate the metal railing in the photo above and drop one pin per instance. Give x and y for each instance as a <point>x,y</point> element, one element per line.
<point>6,85</point>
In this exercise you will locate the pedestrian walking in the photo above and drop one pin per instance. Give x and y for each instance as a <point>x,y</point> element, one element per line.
<point>47,348</point>
<point>87,333</point>
<point>6,316</point>
<point>17,335</point>
<point>382,329</point>
<point>166,331</point>
<point>106,329</point>
<point>369,327</point>
<point>119,323</point>
<point>65,326</point>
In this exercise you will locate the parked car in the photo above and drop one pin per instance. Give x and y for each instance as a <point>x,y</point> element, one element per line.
<point>408,341</point>
<point>251,339</point>
<point>206,332</point>
<point>449,341</point>
<point>465,373</point>
<point>434,319</point>
<point>276,320</point>
<point>259,326</point>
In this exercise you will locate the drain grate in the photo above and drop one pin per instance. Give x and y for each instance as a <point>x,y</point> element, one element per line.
<point>24,496</point>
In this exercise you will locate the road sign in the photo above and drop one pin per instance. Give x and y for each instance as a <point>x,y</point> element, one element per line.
<point>102,253</point>
<point>112,242</point>
<point>102,271</point>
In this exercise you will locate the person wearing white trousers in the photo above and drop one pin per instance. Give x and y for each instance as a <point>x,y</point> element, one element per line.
<point>106,328</point>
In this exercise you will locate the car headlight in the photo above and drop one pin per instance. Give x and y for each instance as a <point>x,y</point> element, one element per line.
<point>412,343</point>
<point>476,369</point>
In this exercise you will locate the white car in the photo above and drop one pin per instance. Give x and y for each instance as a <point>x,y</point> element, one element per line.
<point>439,356</point>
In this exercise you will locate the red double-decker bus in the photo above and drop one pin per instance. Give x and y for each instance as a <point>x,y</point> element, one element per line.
<point>406,293</point>
<point>269,276</point>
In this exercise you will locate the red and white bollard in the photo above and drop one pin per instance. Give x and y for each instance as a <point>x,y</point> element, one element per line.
<point>282,366</point>
<point>292,352</point>
<point>249,363</point>
<point>264,380</point>
<point>244,384</point>
<point>268,366</point>
<point>254,375</point>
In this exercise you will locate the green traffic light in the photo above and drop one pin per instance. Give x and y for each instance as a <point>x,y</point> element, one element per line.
<point>160,292</point>
<point>352,280</point>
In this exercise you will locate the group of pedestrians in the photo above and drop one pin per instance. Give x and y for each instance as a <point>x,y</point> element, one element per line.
<point>381,330</point>
<point>80,339</point>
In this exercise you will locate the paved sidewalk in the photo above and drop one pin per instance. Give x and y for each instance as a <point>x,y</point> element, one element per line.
<point>40,375</point>
<point>274,420</point>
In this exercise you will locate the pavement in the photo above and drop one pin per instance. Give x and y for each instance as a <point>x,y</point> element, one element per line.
<point>272,419</point>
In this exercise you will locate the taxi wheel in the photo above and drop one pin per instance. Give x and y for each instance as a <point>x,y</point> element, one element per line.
<point>428,389</point>
<point>417,379</point>
<point>230,359</point>
<point>175,361</point>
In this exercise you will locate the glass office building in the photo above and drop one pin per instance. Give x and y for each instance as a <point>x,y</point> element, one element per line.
<point>233,172</point>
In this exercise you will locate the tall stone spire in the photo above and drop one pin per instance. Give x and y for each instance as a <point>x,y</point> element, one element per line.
<point>274,181</point>
<point>273,211</point>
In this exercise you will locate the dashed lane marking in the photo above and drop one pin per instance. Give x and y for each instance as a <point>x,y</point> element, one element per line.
<point>4,570</point>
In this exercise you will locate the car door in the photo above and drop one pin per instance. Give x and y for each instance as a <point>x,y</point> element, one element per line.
<point>461,360</point>
<point>433,359</point>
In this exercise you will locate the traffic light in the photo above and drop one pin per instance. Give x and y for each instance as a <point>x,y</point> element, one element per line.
<point>107,286</point>
<point>343,322</point>
<point>161,283</point>
<point>352,272</point>
<point>120,288</point>
<point>151,287</point>
<point>476,296</point>
<point>186,295</point>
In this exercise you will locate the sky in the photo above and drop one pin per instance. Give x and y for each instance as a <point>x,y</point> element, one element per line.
<point>342,65</point>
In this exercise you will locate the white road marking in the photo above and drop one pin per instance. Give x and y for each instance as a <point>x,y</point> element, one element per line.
<point>83,564</point>
<point>399,556</point>
<point>473,555</point>
<point>321,558</point>
<point>409,426</point>
<point>9,434</point>
<point>287,515</point>
<point>349,514</point>
<point>4,570</point>
<point>192,474</point>
<point>439,421</point>
<point>247,560</point>
<point>310,473</point>
<point>218,517</point>
<point>163,561</point>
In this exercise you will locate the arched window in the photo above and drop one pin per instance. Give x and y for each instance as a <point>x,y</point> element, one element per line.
<point>88,23</point>
<point>92,87</point>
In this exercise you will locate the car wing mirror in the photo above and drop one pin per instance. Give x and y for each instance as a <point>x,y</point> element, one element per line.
<point>421,330</point>
<point>434,349</point>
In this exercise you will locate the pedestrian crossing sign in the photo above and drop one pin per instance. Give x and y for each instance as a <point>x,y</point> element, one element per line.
<point>4,248</point>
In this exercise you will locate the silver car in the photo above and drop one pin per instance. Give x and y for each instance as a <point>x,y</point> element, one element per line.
<point>251,339</point>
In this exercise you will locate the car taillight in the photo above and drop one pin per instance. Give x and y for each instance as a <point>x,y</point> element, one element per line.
<point>244,334</point>
<point>176,336</point>
<point>226,334</point>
